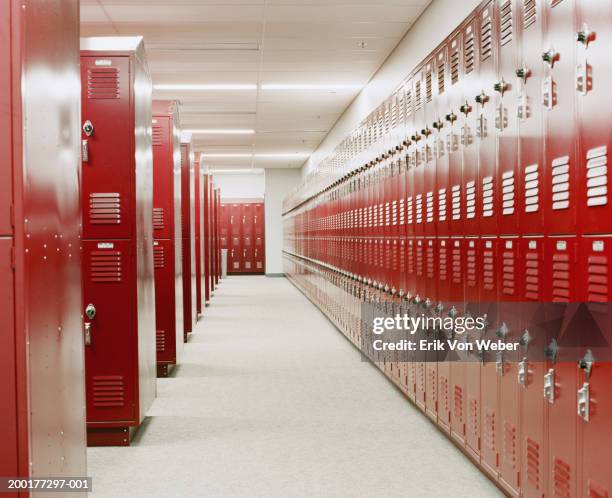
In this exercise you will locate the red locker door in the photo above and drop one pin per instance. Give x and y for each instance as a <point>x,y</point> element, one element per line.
<point>259,254</point>
<point>258,219</point>
<point>165,315</point>
<point>107,177</point>
<point>472,367</point>
<point>531,368</point>
<point>456,308</point>
<point>506,118</point>
<point>558,98</point>
<point>441,303</point>
<point>420,293</point>
<point>488,295</point>
<point>487,206</point>
<point>108,273</point>
<point>430,299</point>
<point>248,252</point>
<point>453,210</point>
<point>163,193</point>
<point>594,394</point>
<point>442,148</point>
<point>533,173</point>
<point>465,197</point>
<point>418,148</point>
<point>560,382</point>
<point>428,193</point>
<point>510,311</point>
<point>225,225</point>
<point>235,254</point>
<point>593,79</point>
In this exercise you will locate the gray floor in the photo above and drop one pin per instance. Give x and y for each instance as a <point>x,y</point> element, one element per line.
<point>271,401</point>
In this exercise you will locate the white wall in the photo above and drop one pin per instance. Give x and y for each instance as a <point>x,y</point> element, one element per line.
<point>437,22</point>
<point>241,185</point>
<point>278,183</point>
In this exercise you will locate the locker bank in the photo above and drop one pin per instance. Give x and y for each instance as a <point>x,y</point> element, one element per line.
<point>305,248</point>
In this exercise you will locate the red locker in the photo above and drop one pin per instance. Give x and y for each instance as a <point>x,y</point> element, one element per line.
<point>206,241</point>
<point>488,207</point>
<point>560,381</point>
<point>531,369</point>
<point>442,138</point>
<point>454,122</point>
<point>118,279</point>
<point>593,76</point>
<point>595,369</point>
<point>197,205</point>
<point>225,225</point>
<point>418,153</point>
<point>529,78</point>
<point>428,200</point>
<point>42,420</point>
<point>506,102</point>
<point>188,234</point>
<point>466,197</point>
<point>167,245</point>
<point>558,100</point>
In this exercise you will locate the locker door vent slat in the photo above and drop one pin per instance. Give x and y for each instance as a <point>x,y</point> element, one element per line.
<point>158,219</point>
<point>458,404</point>
<point>418,98</point>
<point>159,257</point>
<point>560,178</point>
<point>561,479</point>
<point>597,176</point>
<point>509,273</point>
<point>105,266</point>
<point>510,444</point>
<point>486,36</point>
<point>597,491</point>
<point>103,83</point>
<point>471,268</point>
<point>469,50</point>
<point>488,271</point>
<point>430,263</point>
<point>160,340</point>
<point>108,391</point>
<point>408,105</point>
<point>442,264</point>
<point>508,193</point>
<point>529,13</point>
<point>105,208</point>
<point>441,74</point>
<point>489,430</point>
<point>454,65</point>
<point>157,135</point>
<point>473,422</point>
<point>532,276</point>
<point>429,85</point>
<point>533,463</point>
<point>532,188</point>
<point>506,22</point>
<point>561,278</point>
<point>597,283</point>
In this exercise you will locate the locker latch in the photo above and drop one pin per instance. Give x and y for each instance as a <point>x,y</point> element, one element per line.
<point>426,131</point>
<point>550,56</point>
<point>466,108</point>
<point>499,362</point>
<point>525,340</point>
<point>585,35</point>
<point>502,331</point>
<point>452,312</point>
<point>522,373</point>
<point>85,151</point>
<point>523,73</point>
<point>552,350</point>
<point>501,86</point>
<point>586,364</point>
<point>87,334</point>
<point>584,402</point>
<point>438,125</point>
<point>451,117</point>
<point>439,308</point>
<point>90,311</point>
<point>482,98</point>
<point>549,385</point>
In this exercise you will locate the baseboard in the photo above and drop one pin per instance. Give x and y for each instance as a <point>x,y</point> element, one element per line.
<point>275,275</point>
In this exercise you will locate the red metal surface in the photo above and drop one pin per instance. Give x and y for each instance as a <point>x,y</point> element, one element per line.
<point>167,246</point>
<point>198,232</point>
<point>188,233</point>
<point>118,243</point>
<point>43,422</point>
<point>206,241</point>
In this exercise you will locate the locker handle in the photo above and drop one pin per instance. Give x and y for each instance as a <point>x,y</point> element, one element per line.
<point>585,36</point>
<point>586,363</point>
<point>550,56</point>
<point>243,219</point>
<point>451,117</point>
<point>87,334</point>
<point>85,151</point>
<point>501,86</point>
<point>426,131</point>
<point>438,125</point>
<point>523,73</point>
<point>482,98</point>
<point>466,108</point>
<point>584,399</point>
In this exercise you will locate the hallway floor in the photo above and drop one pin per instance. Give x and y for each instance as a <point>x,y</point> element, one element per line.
<point>270,400</point>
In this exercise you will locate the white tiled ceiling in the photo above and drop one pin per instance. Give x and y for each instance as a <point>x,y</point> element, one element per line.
<point>256,42</point>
